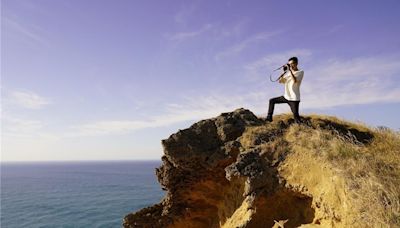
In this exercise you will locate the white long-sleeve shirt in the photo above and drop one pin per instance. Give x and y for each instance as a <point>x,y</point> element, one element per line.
<point>292,89</point>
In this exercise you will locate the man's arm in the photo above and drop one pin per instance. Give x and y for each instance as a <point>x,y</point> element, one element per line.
<point>282,79</point>
<point>294,78</point>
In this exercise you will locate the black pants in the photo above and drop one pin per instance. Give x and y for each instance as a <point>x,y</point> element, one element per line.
<point>294,106</point>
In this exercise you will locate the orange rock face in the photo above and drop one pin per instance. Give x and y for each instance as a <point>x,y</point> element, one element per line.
<point>237,170</point>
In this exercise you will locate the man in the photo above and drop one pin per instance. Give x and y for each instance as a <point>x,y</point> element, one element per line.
<point>292,78</point>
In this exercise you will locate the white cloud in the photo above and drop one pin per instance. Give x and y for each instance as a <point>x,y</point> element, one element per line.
<point>191,109</point>
<point>106,127</point>
<point>334,82</point>
<point>26,99</point>
<point>29,32</point>
<point>239,47</point>
<point>370,68</point>
<point>257,70</point>
<point>174,114</point>
<point>181,36</point>
<point>335,28</point>
<point>22,128</point>
<point>181,17</point>
<point>327,83</point>
<point>360,80</point>
<point>233,31</point>
<point>17,127</point>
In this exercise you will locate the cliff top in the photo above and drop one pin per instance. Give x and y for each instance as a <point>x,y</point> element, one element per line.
<point>237,170</point>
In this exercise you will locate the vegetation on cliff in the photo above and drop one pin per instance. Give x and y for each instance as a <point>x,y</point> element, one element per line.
<point>238,170</point>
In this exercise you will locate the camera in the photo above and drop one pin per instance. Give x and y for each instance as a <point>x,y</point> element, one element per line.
<point>286,67</point>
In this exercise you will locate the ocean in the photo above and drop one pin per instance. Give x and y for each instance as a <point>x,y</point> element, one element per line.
<point>76,194</point>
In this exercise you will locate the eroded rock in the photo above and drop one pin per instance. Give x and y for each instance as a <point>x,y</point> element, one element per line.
<point>212,180</point>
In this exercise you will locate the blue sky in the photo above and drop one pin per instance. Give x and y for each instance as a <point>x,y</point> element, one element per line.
<point>108,80</point>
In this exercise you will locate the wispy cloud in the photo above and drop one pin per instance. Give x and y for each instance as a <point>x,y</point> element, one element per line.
<point>26,99</point>
<point>371,68</point>
<point>331,83</point>
<point>335,28</point>
<point>181,36</point>
<point>327,83</point>
<point>29,32</point>
<point>334,82</point>
<point>23,128</point>
<point>342,82</point>
<point>191,109</point>
<point>239,47</point>
<point>234,30</point>
<point>183,14</point>
<point>14,126</point>
<point>216,32</point>
<point>106,127</point>
<point>257,70</point>
<point>361,80</point>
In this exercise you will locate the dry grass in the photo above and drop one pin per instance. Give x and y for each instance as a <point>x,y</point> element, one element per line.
<point>371,170</point>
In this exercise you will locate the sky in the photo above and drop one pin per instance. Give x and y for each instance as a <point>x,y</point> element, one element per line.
<point>109,79</point>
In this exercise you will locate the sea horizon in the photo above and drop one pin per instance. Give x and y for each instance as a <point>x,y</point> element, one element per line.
<point>73,161</point>
<point>76,193</point>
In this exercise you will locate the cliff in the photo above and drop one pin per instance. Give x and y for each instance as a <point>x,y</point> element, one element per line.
<point>237,170</point>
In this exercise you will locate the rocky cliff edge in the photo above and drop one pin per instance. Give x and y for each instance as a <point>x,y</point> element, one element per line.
<point>237,170</point>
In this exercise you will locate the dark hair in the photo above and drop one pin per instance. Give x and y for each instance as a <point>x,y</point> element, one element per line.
<point>294,60</point>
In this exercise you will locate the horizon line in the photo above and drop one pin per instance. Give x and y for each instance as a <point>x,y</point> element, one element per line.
<point>59,161</point>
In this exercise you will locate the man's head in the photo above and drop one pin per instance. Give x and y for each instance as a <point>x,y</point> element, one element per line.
<point>293,62</point>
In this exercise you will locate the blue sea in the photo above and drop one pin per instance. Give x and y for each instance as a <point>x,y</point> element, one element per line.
<point>76,194</point>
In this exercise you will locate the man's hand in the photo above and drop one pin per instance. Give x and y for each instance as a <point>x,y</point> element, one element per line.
<point>291,72</point>
<point>281,78</point>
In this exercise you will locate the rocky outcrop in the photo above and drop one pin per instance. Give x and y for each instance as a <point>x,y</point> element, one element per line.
<point>237,170</point>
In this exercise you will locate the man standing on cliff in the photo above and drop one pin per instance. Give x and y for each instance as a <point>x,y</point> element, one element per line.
<point>292,78</point>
